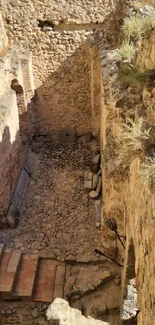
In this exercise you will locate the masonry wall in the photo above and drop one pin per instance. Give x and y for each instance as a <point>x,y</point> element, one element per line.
<point>11,155</point>
<point>65,65</point>
<point>72,23</point>
<point>71,96</point>
<point>11,148</point>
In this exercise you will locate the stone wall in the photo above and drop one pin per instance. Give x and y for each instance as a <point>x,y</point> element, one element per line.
<point>72,94</point>
<point>66,68</point>
<point>71,23</point>
<point>12,108</point>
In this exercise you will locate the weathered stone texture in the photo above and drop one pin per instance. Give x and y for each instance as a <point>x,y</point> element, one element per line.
<point>60,310</point>
<point>51,48</point>
<point>71,95</point>
<point>126,198</point>
<point>66,70</point>
<point>58,219</point>
<point>10,141</point>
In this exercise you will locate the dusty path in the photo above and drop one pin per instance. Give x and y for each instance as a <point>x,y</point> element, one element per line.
<point>57,217</point>
<point>58,221</point>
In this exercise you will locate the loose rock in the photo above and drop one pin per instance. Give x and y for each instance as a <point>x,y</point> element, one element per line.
<point>88,185</point>
<point>35,313</point>
<point>96,159</point>
<point>95,181</point>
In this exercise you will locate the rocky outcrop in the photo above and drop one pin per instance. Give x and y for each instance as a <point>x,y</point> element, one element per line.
<point>60,310</point>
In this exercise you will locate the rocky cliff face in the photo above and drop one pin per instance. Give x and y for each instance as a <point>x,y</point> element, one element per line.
<point>126,196</point>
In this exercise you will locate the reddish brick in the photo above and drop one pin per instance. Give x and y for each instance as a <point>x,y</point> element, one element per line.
<point>8,278</point>
<point>1,249</point>
<point>26,277</point>
<point>59,281</point>
<point>46,279</point>
<point>4,263</point>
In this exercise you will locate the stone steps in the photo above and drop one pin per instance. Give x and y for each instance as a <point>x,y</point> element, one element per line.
<point>3,266</point>
<point>7,281</point>
<point>46,279</point>
<point>26,277</point>
<point>1,249</point>
<point>29,277</point>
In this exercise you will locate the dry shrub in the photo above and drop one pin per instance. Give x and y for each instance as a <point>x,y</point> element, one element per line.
<point>136,26</point>
<point>133,141</point>
<point>126,52</point>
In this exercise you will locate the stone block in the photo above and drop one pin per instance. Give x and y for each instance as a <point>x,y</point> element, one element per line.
<point>88,176</point>
<point>95,181</point>
<point>94,168</point>
<point>98,210</point>
<point>88,185</point>
<point>85,138</point>
<point>99,185</point>
<point>96,159</point>
<point>93,195</point>
<point>12,216</point>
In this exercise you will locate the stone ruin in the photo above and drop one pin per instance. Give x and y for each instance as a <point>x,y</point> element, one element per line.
<point>62,108</point>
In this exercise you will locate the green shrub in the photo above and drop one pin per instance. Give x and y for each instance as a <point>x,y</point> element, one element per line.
<point>131,75</point>
<point>126,52</point>
<point>147,171</point>
<point>136,26</point>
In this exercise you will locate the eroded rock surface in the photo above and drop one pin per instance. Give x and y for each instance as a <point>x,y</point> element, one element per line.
<point>60,310</point>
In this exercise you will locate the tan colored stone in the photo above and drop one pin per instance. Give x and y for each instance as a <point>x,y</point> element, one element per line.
<point>95,181</point>
<point>88,176</point>
<point>93,194</point>
<point>88,185</point>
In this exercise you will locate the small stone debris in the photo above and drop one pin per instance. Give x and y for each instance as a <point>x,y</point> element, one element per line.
<point>88,176</point>
<point>99,172</point>
<point>35,313</point>
<point>12,216</point>
<point>98,210</point>
<point>117,280</point>
<point>96,159</point>
<point>93,195</point>
<point>44,306</point>
<point>98,224</point>
<point>85,138</point>
<point>88,185</point>
<point>95,181</point>
<point>99,185</point>
<point>94,169</point>
<point>36,146</point>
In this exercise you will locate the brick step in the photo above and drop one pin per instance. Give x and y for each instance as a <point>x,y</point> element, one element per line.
<point>4,263</point>
<point>8,278</point>
<point>59,281</point>
<point>44,288</point>
<point>1,250</point>
<point>23,287</point>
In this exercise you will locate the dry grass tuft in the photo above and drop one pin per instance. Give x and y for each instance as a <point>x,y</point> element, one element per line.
<point>133,139</point>
<point>132,76</point>
<point>136,26</point>
<point>126,52</point>
<point>147,171</point>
